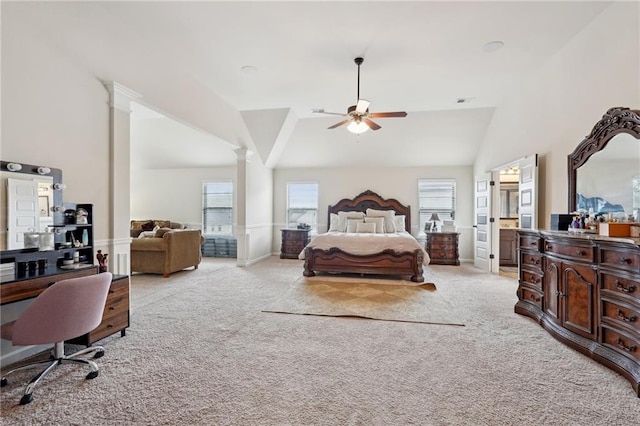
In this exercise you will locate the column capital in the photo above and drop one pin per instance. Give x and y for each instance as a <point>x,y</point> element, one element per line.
<point>120,97</point>
<point>243,154</point>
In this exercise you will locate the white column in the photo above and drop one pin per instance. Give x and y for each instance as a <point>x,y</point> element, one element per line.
<point>118,244</point>
<point>242,232</point>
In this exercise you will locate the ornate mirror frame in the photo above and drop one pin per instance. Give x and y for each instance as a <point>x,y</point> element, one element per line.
<point>614,121</point>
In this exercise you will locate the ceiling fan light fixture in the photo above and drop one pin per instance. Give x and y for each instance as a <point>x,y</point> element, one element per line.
<point>357,127</point>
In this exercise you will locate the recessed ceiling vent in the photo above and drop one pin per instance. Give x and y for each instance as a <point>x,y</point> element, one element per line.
<point>463,100</point>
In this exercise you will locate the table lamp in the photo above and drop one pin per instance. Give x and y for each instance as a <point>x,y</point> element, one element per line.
<point>434,218</point>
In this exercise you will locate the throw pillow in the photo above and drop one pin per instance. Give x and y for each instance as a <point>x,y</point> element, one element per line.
<point>334,223</point>
<point>389,226</point>
<point>352,224</point>
<point>148,226</point>
<point>366,228</point>
<point>135,233</point>
<point>378,221</point>
<point>399,222</point>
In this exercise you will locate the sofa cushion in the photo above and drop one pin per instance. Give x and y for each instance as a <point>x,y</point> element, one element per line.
<point>163,223</point>
<point>161,231</point>
<point>137,224</point>
<point>134,233</point>
<point>176,225</point>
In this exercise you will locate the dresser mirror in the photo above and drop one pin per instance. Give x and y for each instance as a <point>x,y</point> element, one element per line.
<point>604,170</point>
<point>29,196</point>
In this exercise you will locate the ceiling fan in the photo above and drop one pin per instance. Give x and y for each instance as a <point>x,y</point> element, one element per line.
<point>358,115</point>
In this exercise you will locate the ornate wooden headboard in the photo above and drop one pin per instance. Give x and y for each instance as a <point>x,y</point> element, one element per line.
<point>371,200</point>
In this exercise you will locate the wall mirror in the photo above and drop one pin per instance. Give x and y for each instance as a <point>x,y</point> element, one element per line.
<point>604,170</point>
<point>30,195</point>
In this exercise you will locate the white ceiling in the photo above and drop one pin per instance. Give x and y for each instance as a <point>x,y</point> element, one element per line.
<point>420,57</point>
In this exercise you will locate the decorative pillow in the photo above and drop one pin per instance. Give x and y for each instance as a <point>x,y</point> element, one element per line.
<point>352,224</point>
<point>398,221</point>
<point>161,231</point>
<point>135,233</point>
<point>334,223</point>
<point>343,216</point>
<point>163,223</point>
<point>388,215</point>
<point>378,221</point>
<point>148,226</point>
<point>137,224</point>
<point>147,234</point>
<point>366,228</point>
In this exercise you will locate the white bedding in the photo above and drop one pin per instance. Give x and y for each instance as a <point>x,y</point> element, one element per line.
<point>365,243</point>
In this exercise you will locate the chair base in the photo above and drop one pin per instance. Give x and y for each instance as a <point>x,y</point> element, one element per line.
<point>58,357</point>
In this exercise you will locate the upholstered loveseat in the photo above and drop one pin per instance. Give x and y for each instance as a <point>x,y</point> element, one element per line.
<point>164,250</point>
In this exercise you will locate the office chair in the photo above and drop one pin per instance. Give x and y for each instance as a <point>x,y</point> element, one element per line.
<point>67,309</point>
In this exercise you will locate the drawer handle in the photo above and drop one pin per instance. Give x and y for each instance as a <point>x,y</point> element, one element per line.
<point>624,289</point>
<point>621,344</point>
<point>535,261</point>
<point>548,247</point>
<point>580,253</point>
<point>534,298</point>
<point>561,294</point>
<point>624,260</point>
<point>621,315</point>
<point>110,326</point>
<point>534,243</point>
<point>534,280</point>
<point>112,308</point>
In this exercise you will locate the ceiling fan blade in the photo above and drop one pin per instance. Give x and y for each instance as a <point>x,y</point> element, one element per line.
<point>339,124</point>
<point>387,114</point>
<point>371,124</point>
<point>362,106</point>
<point>322,111</point>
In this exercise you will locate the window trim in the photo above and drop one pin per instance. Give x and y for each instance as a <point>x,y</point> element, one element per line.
<point>314,226</point>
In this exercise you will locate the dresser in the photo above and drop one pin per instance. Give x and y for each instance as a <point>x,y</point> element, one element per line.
<point>443,248</point>
<point>293,241</point>
<point>584,289</point>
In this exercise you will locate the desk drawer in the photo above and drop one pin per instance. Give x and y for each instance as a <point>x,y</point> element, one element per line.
<point>628,260</point>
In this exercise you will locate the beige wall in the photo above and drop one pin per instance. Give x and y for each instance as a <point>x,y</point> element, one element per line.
<point>558,104</point>
<point>390,182</point>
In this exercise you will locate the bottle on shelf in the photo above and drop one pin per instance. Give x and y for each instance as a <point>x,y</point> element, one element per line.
<point>85,237</point>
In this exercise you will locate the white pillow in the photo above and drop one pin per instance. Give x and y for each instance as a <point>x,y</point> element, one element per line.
<point>343,216</point>
<point>379,222</point>
<point>399,222</point>
<point>147,234</point>
<point>364,227</point>
<point>352,224</point>
<point>389,215</point>
<point>334,223</point>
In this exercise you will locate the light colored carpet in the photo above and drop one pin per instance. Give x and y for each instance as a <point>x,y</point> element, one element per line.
<point>381,300</point>
<point>201,352</point>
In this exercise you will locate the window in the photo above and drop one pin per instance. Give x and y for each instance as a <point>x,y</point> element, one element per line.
<point>217,207</point>
<point>436,196</point>
<point>302,204</point>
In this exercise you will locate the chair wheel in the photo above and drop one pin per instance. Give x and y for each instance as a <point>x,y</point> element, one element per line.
<point>92,375</point>
<point>98,354</point>
<point>26,399</point>
<point>4,382</point>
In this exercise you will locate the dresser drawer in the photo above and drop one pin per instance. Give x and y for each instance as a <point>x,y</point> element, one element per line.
<point>619,285</point>
<point>531,259</point>
<point>531,278</point>
<point>621,315</point>
<point>574,251</point>
<point>530,295</point>
<point>295,235</point>
<point>529,242</point>
<point>109,326</point>
<point>628,260</point>
<point>444,239</point>
<point>622,342</point>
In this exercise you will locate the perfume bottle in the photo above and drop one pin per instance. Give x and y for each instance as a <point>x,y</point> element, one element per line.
<point>85,237</point>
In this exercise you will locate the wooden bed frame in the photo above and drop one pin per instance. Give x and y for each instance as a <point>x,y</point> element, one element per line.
<point>388,262</point>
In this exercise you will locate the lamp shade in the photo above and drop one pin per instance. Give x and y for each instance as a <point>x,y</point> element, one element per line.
<point>434,217</point>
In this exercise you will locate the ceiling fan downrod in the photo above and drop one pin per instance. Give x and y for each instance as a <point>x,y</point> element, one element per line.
<point>358,62</point>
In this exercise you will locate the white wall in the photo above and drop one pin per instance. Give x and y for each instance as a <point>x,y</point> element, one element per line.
<point>174,194</point>
<point>559,103</point>
<point>259,210</point>
<point>390,182</point>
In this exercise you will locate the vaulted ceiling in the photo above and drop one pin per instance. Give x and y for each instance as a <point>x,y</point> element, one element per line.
<point>273,62</point>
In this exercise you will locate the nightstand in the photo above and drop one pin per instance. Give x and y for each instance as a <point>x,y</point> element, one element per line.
<point>293,241</point>
<point>443,248</point>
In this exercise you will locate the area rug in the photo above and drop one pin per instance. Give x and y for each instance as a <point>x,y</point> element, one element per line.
<point>379,301</point>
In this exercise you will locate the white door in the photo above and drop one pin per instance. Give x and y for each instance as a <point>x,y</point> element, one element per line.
<point>482,257</point>
<point>528,188</point>
<point>23,211</point>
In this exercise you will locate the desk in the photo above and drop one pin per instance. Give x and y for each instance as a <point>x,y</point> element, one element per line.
<point>116,311</point>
